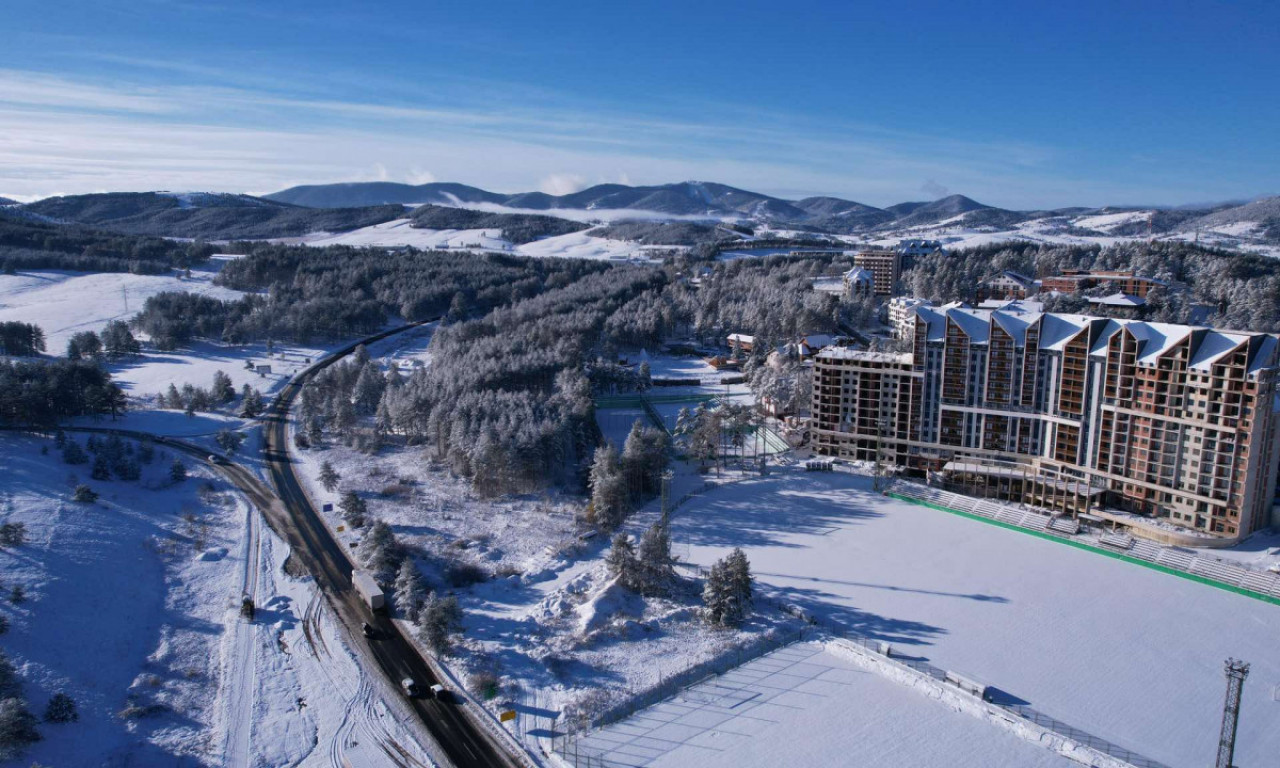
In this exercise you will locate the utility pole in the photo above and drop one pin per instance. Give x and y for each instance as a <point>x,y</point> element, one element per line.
<point>1236,671</point>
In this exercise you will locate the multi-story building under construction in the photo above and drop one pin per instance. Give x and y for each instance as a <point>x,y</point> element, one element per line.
<point>1116,420</point>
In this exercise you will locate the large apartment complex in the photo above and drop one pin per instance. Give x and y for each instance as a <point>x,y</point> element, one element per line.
<point>1090,416</point>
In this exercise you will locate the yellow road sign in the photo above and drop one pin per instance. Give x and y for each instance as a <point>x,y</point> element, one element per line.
<point>509,714</point>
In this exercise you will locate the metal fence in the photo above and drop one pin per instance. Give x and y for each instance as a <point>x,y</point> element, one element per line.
<point>569,745</point>
<point>570,748</point>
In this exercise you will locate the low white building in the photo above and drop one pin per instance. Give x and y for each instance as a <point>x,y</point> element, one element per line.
<point>902,312</point>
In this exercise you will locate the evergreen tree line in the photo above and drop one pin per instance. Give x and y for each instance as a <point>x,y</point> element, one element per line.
<point>21,339</point>
<point>192,399</point>
<point>42,393</point>
<point>619,484</point>
<point>111,456</point>
<point>116,341</point>
<point>27,243</point>
<point>505,400</point>
<point>771,298</point>
<point>1242,290</point>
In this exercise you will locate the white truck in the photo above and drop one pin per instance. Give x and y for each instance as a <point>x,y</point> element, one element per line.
<point>368,590</point>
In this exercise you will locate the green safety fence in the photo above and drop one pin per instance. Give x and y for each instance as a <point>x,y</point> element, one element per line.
<point>1097,550</point>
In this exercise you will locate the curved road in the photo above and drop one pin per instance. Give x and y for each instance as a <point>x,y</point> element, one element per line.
<point>289,513</point>
<point>464,742</point>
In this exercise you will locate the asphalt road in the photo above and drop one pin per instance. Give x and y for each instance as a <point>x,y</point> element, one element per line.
<point>289,513</point>
<point>463,742</point>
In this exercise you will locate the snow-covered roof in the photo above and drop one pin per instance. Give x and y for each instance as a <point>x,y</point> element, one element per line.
<point>1016,277</point>
<point>1058,330</point>
<point>1013,305</point>
<point>1264,354</point>
<point>849,353</point>
<point>742,338</point>
<point>975,323</point>
<point>1213,345</point>
<point>1156,339</point>
<point>1014,324</point>
<point>1117,300</point>
<point>860,274</point>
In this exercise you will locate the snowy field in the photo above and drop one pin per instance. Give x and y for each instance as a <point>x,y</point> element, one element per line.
<point>399,233</point>
<point>1128,654</point>
<point>804,705</point>
<point>124,601</point>
<point>64,303</point>
<point>615,422</point>
<point>129,602</point>
<point>580,245</point>
<point>955,235</point>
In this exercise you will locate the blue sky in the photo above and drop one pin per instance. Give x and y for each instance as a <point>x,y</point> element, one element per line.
<point>1016,104</point>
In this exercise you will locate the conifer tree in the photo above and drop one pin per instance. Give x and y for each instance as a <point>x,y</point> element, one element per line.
<point>410,591</point>
<point>608,493</point>
<point>440,619</point>
<point>222,391</point>
<point>657,567</point>
<point>353,509</point>
<point>329,476</point>
<point>622,562</point>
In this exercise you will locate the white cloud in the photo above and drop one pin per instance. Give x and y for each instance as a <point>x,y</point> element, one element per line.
<point>562,184</point>
<point>64,136</point>
<point>417,175</point>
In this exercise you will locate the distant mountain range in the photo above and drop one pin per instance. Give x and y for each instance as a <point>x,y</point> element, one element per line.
<point>205,215</point>
<point>820,214</point>
<point>687,198</point>
<point>342,207</point>
<point>7,201</point>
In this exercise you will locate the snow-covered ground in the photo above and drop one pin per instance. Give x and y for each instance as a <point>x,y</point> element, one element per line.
<point>544,617</point>
<point>1128,654</point>
<point>127,599</point>
<point>804,705</point>
<point>580,245</point>
<point>955,235</point>
<point>64,303</point>
<point>400,233</point>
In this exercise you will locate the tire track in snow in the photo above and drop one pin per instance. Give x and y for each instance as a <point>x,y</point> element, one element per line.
<point>242,680</point>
